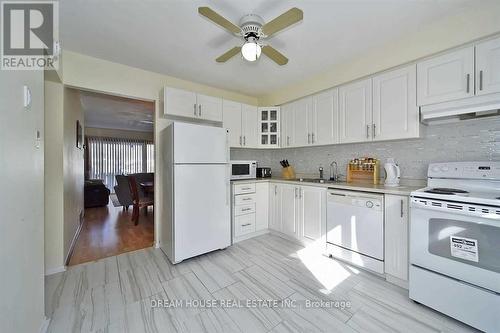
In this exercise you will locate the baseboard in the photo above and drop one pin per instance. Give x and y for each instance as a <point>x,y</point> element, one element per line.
<point>73,241</point>
<point>157,245</point>
<point>45,325</point>
<point>54,270</point>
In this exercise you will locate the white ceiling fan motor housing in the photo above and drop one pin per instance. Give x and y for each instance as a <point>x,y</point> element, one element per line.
<point>251,24</point>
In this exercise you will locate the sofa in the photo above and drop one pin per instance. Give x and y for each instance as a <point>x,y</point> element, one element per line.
<point>95,193</point>
<point>122,189</point>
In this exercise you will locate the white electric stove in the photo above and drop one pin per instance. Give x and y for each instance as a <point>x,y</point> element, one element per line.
<point>455,242</point>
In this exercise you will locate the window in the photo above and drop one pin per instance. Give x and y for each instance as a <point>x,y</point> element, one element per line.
<point>114,156</point>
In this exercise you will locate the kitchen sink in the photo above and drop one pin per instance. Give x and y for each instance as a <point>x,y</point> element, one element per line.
<point>314,180</point>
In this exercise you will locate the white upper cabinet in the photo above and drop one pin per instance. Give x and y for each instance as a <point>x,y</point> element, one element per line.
<point>446,77</point>
<point>287,129</point>
<point>355,101</point>
<point>241,120</point>
<point>395,111</point>
<point>232,121</point>
<point>188,104</point>
<point>269,127</point>
<point>178,102</point>
<point>301,110</point>
<point>209,107</point>
<point>488,67</point>
<point>249,125</point>
<point>324,118</point>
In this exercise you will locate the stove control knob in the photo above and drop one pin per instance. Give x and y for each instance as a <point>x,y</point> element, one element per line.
<point>369,204</point>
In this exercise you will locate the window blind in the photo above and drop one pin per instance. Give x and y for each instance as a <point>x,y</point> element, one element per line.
<point>115,156</point>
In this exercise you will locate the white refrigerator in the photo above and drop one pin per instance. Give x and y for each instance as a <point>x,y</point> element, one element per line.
<point>196,191</point>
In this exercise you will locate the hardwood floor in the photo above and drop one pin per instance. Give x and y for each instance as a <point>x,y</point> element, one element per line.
<point>118,294</point>
<point>109,231</point>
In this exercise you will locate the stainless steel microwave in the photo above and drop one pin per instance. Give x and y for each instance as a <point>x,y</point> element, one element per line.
<point>243,170</point>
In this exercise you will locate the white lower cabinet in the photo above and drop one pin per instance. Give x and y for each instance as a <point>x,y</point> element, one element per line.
<point>312,208</point>
<point>289,210</point>
<point>250,209</point>
<point>396,238</point>
<point>261,206</point>
<point>298,211</point>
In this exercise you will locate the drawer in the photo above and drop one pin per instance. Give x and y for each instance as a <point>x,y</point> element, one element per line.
<point>244,209</point>
<point>244,224</point>
<point>244,199</point>
<point>244,188</point>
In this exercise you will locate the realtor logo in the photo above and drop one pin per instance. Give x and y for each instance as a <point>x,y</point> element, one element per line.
<point>29,32</point>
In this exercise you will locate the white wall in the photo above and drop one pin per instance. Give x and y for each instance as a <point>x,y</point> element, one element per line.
<point>446,33</point>
<point>22,210</point>
<point>73,167</point>
<point>54,185</point>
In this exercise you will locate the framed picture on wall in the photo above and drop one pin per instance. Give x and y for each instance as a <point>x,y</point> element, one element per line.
<point>79,135</point>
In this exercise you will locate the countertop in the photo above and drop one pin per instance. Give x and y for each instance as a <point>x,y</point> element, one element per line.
<point>363,187</point>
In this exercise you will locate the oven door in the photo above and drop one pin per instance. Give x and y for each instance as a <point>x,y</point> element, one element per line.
<point>449,239</point>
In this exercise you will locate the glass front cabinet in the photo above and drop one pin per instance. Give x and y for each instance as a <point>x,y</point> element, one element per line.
<point>269,127</point>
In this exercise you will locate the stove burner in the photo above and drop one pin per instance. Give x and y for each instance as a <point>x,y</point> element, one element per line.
<point>446,191</point>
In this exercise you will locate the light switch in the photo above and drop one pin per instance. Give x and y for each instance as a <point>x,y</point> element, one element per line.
<point>26,97</point>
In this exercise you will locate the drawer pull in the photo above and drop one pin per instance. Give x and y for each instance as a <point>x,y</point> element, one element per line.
<point>246,224</point>
<point>246,188</point>
<point>246,199</point>
<point>246,209</point>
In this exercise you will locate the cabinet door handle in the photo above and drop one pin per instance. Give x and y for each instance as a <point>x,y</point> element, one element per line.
<point>367,130</point>
<point>308,137</point>
<point>194,106</point>
<point>275,189</point>
<point>241,141</point>
<point>244,140</point>
<point>246,224</point>
<point>481,80</point>
<point>199,110</point>
<point>402,212</point>
<point>246,209</point>
<point>246,188</point>
<point>468,83</point>
<point>312,138</point>
<point>246,199</point>
<point>295,192</point>
<point>287,140</point>
<point>374,132</point>
<point>300,193</point>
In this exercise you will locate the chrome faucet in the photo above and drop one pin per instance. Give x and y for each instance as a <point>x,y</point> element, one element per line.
<point>320,172</point>
<point>334,176</point>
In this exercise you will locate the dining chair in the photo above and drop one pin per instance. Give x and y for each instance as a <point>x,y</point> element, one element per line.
<point>138,202</point>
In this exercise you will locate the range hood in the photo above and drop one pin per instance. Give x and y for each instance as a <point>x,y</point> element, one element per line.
<point>467,108</point>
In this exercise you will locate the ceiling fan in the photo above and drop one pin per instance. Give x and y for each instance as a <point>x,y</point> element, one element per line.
<point>253,30</point>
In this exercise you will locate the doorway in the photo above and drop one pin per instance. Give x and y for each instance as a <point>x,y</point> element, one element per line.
<point>119,176</point>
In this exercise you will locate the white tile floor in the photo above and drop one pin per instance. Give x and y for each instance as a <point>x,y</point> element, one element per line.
<point>116,294</point>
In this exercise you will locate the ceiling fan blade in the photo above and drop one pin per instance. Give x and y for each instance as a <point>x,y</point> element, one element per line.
<point>229,54</point>
<point>274,55</point>
<point>217,19</point>
<point>286,19</point>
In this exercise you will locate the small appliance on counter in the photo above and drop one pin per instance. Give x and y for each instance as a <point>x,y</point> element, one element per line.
<point>243,169</point>
<point>264,172</point>
<point>392,173</point>
<point>363,170</point>
<point>287,172</point>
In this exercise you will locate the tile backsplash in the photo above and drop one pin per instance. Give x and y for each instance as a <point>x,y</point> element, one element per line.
<point>468,140</point>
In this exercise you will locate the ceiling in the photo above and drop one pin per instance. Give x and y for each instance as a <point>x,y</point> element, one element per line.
<point>106,111</point>
<point>170,37</point>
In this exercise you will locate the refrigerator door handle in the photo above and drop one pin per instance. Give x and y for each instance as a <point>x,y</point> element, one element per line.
<point>228,185</point>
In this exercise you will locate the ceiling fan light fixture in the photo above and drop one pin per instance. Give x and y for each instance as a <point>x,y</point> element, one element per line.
<point>251,51</point>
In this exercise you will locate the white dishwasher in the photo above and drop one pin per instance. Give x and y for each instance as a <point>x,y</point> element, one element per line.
<point>355,228</point>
